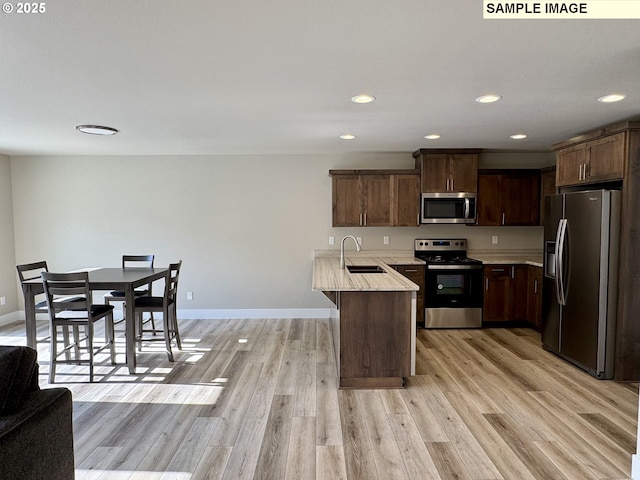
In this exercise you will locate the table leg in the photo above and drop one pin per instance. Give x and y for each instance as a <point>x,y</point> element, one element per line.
<point>30,315</point>
<point>130,330</point>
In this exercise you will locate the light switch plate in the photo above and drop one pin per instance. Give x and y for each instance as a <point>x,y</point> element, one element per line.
<point>494,239</point>
<point>385,239</point>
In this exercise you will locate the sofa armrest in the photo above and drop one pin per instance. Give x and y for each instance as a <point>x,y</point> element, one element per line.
<point>36,441</point>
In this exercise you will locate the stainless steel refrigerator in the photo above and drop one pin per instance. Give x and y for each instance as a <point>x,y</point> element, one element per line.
<point>579,297</point>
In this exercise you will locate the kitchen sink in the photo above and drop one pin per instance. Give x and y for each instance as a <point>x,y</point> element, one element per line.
<point>365,269</point>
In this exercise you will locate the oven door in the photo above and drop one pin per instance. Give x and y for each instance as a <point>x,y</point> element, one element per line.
<point>453,286</point>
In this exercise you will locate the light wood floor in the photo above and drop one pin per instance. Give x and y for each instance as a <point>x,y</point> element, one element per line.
<point>258,399</point>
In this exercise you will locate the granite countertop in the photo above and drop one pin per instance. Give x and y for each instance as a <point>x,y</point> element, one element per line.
<point>329,277</point>
<point>525,257</point>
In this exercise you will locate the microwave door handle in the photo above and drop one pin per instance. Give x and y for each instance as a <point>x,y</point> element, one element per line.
<point>467,208</point>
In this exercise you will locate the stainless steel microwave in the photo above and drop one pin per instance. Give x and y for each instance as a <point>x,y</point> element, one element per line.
<point>450,207</point>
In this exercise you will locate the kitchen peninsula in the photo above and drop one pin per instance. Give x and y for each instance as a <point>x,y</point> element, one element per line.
<point>374,320</point>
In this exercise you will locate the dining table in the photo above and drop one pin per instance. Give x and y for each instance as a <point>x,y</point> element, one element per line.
<point>107,279</point>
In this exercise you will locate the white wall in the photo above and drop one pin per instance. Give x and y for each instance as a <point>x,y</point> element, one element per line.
<point>8,276</point>
<point>245,226</point>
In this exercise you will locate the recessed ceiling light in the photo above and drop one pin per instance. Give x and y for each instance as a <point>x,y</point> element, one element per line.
<point>363,98</point>
<point>614,97</point>
<point>488,98</point>
<point>433,136</point>
<point>96,130</point>
<point>347,136</point>
<point>518,136</point>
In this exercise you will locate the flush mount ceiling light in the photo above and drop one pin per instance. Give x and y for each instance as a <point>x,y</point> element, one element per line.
<point>614,97</point>
<point>518,136</point>
<point>96,130</point>
<point>488,98</point>
<point>363,98</point>
<point>347,136</point>
<point>433,136</point>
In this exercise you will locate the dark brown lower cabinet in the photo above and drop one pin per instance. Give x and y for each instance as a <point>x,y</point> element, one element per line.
<point>534,297</point>
<point>415,273</point>
<point>372,338</point>
<point>505,293</point>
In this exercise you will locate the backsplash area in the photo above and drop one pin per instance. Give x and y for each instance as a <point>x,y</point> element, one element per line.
<point>479,238</point>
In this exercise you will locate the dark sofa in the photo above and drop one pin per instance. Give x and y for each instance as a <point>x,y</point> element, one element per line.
<point>36,431</point>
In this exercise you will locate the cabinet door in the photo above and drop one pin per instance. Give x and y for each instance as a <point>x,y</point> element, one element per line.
<point>377,200</point>
<point>435,172</point>
<point>406,200</point>
<point>489,200</point>
<point>347,200</point>
<point>534,297</point>
<point>496,293</point>
<point>570,163</point>
<point>415,273</point>
<point>518,292</point>
<point>464,173</point>
<point>520,199</point>
<point>606,158</point>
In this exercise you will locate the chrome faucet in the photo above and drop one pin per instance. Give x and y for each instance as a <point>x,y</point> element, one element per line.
<point>358,247</point>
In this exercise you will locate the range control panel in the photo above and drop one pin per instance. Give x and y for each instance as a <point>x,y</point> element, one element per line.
<point>443,244</point>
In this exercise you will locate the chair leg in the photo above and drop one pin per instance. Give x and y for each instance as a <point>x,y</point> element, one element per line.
<point>166,322</point>
<point>110,336</point>
<point>90,343</point>
<point>53,353</point>
<point>175,327</point>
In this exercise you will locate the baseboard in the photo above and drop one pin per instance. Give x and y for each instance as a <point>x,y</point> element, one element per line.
<point>239,313</point>
<point>11,317</point>
<point>211,314</point>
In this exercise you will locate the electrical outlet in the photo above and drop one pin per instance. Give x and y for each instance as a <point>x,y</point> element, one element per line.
<point>385,239</point>
<point>189,295</point>
<point>494,239</point>
<point>332,240</point>
<point>3,300</point>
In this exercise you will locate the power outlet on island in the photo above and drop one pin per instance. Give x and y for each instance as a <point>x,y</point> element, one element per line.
<point>3,300</point>
<point>385,240</point>
<point>494,239</point>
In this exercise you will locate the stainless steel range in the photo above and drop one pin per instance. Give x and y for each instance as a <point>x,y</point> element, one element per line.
<point>453,283</point>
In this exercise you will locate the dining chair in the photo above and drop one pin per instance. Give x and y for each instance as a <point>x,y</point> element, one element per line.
<point>32,271</point>
<point>167,305</point>
<point>132,261</point>
<point>58,288</point>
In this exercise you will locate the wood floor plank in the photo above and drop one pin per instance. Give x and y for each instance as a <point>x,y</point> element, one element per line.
<point>328,425</point>
<point>413,450</point>
<point>448,462</point>
<point>330,463</point>
<point>358,453</point>
<point>386,453</point>
<point>272,460</point>
<point>301,458</point>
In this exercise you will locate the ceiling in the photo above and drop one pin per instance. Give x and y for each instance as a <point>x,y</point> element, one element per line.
<point>276,77</point>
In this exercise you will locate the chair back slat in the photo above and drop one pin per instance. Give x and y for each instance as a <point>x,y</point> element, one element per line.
<point>67,291</point>
<point>129,259</point>
<point>31,271</point>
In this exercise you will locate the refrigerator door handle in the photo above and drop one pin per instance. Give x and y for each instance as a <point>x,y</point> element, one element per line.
<point>560,242</point>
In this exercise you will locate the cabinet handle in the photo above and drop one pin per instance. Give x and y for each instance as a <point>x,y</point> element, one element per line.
<point>535,287</point>
<point>447,188</point>
<point>452,187</point>
<point>411,271</point>
<point>365,220</point>
<point>513,272</point>
<point>503,217</point>
<point>486,284</point>
<point>360,219</point>
<point>580,171</point>
<point>584,172</point>
<point>497,269</point>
